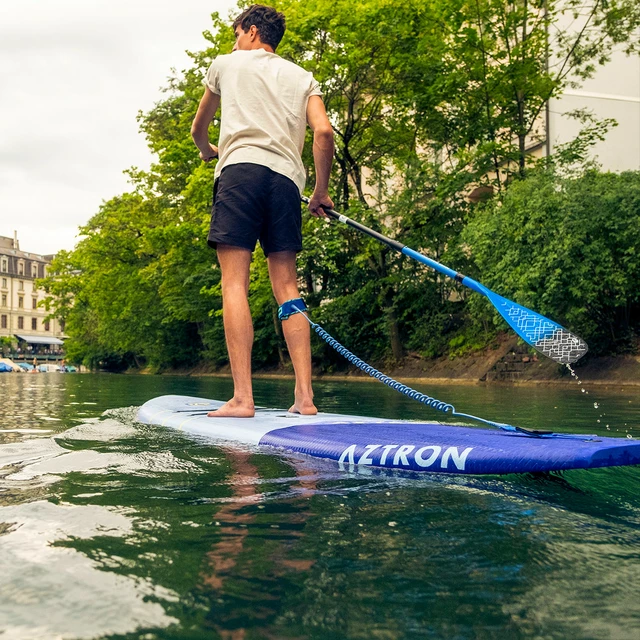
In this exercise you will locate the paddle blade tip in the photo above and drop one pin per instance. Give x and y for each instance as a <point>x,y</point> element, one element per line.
<point>544,335</point>
<point>562,346</point>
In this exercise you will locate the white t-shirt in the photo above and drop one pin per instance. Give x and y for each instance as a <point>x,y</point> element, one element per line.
<point>264,110</point>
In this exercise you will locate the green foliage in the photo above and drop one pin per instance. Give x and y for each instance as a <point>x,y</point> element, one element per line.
<point>485,69</point>
<point>106,292</point>
<point>567,247</point>
<point>6,344</point>
<point>428,100</point>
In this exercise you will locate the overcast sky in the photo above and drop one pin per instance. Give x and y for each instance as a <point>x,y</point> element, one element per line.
<point>73,75</point>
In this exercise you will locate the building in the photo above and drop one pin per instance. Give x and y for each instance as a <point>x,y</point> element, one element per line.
<point>612,92</point>
<point>21,316</point>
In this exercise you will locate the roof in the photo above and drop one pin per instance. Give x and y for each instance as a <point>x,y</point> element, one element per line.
<point>39,339</point>
<point>9,249</point>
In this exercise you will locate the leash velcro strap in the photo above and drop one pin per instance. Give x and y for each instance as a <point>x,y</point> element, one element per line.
<point>290,307</point>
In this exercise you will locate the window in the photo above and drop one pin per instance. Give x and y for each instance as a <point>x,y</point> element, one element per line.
<point>4,299</point>
<point>20,302</point>
<point>20,285</point>
<point>34,303</point>
<point>62,324</point>
<point>3,322</point>
<point>34,270</point>
<point>21,268</point>
<point>20,322</point>
<point>34,324</point>
<point>4,283</point>
<point>4,265</point>
<point>46,325</point>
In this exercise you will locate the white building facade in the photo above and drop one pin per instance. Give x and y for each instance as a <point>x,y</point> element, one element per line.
<point>613,92</point>
<point>21,316</point>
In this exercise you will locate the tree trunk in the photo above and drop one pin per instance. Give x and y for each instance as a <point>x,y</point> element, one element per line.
<point>277,325</point>
<point>397,349</point>
<point>308,282</point>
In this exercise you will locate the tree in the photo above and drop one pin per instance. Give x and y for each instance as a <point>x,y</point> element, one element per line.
<point>6,344</point>
<point>567,247</point>
<point>479,99</point>
<point>427,99</point>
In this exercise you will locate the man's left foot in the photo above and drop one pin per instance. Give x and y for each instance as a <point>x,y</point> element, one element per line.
<point>304,407</point>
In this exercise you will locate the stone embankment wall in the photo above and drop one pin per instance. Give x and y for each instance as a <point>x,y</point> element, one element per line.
<point>515,366</point>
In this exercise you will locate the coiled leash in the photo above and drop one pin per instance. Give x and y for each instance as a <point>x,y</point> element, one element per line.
<point>297,305</point>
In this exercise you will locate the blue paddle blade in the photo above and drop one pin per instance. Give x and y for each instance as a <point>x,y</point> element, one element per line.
<point>544,335</point>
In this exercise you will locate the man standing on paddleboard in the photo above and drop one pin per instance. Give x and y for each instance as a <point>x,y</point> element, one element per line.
<point>266,105</point>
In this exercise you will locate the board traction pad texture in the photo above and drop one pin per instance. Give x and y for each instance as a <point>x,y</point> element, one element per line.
<point>395,444</point>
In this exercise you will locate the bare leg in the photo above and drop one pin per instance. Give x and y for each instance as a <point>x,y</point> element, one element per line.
<point>238,329</point>
<point>282,271</point>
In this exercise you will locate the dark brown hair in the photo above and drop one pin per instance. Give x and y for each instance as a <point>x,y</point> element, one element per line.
<point>269,23</point>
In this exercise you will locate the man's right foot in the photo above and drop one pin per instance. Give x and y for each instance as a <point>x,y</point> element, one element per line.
<point>234,409</point>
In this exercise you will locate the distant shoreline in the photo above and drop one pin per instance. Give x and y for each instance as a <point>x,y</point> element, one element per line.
<point>506,365</point>
<point>409,380</point>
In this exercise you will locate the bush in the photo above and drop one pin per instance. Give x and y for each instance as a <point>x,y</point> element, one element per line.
<point>568,247</point>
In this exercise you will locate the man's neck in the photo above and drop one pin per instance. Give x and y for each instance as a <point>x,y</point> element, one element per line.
<point>261,45</point>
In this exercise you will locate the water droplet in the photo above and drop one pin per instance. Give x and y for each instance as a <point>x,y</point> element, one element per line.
<point>597,420</point>
<point>595,405</point>
<point>583,391</point>
<point>629,436</point>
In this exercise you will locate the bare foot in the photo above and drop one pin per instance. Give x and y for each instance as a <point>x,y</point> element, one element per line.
<point>304,407</point>
<point>234,409</point>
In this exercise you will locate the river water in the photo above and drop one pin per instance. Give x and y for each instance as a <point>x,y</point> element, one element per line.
<point>113,529</point>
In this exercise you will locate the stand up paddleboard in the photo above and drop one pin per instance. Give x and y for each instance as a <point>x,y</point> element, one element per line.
<point>394,444</point>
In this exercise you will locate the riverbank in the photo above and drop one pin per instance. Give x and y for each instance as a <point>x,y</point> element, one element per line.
<point>505,362</point>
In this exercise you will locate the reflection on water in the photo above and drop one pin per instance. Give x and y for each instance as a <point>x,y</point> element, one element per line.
<point>49,590</point>
<point>109,528</point>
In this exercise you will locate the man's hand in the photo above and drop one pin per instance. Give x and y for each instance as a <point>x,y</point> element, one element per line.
<point>200,127</point>
<point>212,155</point>
<point>317,201</point>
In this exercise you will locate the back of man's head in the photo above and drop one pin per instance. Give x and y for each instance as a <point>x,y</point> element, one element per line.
<point>269,23</point>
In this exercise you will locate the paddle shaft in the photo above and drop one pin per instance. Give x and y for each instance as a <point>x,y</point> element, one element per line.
<point>401,248</point>
<point>548,337</point>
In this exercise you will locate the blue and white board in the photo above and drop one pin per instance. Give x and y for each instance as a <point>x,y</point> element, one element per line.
<point>394,444</point>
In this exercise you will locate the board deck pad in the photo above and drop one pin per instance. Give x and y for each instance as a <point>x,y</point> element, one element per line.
<point>394,444</point>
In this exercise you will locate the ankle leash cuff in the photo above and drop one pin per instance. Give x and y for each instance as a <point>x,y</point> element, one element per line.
<point>291,307</point>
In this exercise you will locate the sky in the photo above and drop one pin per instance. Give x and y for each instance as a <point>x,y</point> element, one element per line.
<point>73,76</point>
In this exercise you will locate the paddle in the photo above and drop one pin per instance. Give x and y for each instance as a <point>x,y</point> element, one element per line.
<point>544,335</point>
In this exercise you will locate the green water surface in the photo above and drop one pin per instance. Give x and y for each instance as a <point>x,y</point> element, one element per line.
<point>113,529</point>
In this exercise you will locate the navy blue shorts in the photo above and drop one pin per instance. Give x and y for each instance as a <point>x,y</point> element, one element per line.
<point>251,202</point>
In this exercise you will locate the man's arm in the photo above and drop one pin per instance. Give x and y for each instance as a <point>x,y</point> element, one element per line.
<point>200,128</point>
<point>322,154</point>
